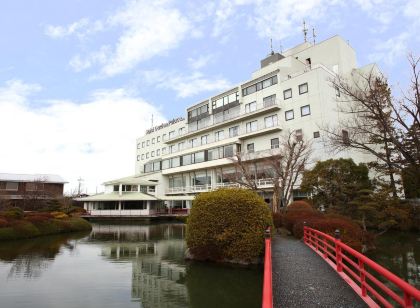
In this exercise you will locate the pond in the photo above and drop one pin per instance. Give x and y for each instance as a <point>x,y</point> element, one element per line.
<point>120,266</point>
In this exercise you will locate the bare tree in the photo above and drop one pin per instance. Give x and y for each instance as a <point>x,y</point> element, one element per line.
<point>287,165</point>
<point>283,165</point>
<point>374,122</point>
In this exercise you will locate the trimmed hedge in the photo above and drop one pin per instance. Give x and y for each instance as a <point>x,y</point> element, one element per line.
<point>228,225</point>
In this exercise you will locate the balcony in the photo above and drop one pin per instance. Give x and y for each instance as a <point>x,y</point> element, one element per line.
<point>221,119</point>
<point>261,184</point>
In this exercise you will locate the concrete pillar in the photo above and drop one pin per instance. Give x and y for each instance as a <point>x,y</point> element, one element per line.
<point>119,205</point>
<point>120,190</point>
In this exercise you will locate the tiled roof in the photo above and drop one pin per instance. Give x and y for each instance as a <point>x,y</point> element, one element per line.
<point>45,178</point>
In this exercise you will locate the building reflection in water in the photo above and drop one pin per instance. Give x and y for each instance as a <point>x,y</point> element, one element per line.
<point>156,253</point>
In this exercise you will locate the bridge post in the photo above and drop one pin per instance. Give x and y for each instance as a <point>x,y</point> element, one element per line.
<point>362,277</point>
<point>305,233</point>
<point>338,256</point>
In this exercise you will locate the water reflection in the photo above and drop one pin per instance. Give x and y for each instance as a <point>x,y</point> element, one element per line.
<point>30,258</point>
<point>400,253</point>
<point>120,266</point>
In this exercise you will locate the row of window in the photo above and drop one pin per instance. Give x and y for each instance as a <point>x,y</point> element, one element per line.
<point>14,186</point>
<point>260,85</point>
<point>157,139</point>
<point>225,100</point>
<point>304,111</point>
<point>303,88</point>
<point>198,111</point>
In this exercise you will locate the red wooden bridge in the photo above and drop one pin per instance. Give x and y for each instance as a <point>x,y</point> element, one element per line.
<point>316,285</point>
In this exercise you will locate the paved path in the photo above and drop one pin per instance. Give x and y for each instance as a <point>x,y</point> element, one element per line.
<point>302,279</point>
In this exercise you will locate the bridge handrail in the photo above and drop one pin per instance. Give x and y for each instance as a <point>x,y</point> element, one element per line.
<point>267,295</point>
<point>341,262</point>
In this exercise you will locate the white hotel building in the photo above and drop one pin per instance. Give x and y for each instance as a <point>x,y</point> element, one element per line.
<point>176,160</point>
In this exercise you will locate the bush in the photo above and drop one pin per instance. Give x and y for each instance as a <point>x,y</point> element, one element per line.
<point>300,206</point>
<point>3,223</point>
<point>298,211</point>
<point>59,215</point>
<point>13,213</point>
<point>278,219</point>
<point>228,225</point>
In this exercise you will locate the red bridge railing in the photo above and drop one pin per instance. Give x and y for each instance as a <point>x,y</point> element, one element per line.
<point>267,297</point>
<point>361,273</point>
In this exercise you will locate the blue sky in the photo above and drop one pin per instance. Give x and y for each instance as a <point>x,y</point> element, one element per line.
<point>79,80</point>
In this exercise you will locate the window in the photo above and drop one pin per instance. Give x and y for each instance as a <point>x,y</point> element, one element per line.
<point>172,148</point>
<point>250,147</point>
<point>233,131</point>
<point>305,110</point>
<point>204,139</point>
<point>165,164</point>
<point>148,142</point>
<point>270,121</point>
<point>299,135</point>
<point>138,145</point>
<point>275,143</point>
<point>153,140</point>
<point>228,151</point>
<point>219,135</point>
<point>251,126</point>
<point>164,137</point>
<point>116,187</point>
<point>289,115</point>
<point>214,154</point>
<point>34,186</point>
<point>287,93</point>
<point>157,152</point>
<point>181,130</point>
<point>156,166</point>
<point>346,138</point>
<point>186,160</point>
<point>158,139</point>
<point>225,100</point>
<point>138,157</point>
<point>316,134</point>
<point>269,100</point>
<point>175,162</point>
<point>142,156</point>
<point>180,146</point>
<point>142,144</point>
<point>303,88</point>
<point>147,155</point>
<point>194,142</point>
<point>163,151</point>
<point>250,107</point>
<point>171,134</point>
<point>199,157</point>
<point>260,85</point>
<point>152,154</point>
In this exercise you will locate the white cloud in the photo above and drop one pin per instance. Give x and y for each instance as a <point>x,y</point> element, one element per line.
<point>94,139</point>
<point>80,28</point>
<point>199,62</point>
<point>186,85</point>
<point>391,50</point>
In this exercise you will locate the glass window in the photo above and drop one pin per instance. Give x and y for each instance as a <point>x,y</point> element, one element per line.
<point>199,157</point>
<point>116,187</point>
<point>219,135</point>
<point>138,157</point>
<point>180,146</point>
<point>275,143</point>
<point>142,156</point>
<point>303,88</point>
<point>251,126</point>
<point>270,121</point>
<point>204,139</point>
<point>12,186</point>
<point>228,151</point>
<point>186,160</point>
<point>147,155</point>
<point>138,145</point>
<point>305,110</point>
<point>158,139</point>
<point>175,162</point>
<point>153,140</point>
<point>156,166</point>
<point>171,134</point>
<point>165,164</point>
<point>233,131</point>
<point>287,93</point>
<point>164,137</point>
<point>250,147</point>
<point>251,107</point>
<point>266,83</point>
<point>289,115</point>
<point>148,142</point>
<point>269,100</point>
<point>213,154</point>
<point>346,138</point>
<point>142,144</point>
<point>194,142</point>
<point>163,151</point>
<point>157,152</point>
<point>299,134</point>
<point>172,148</point>
<point>148,168</point>
<point>233,97</point>
<point>181,130</point>
<point>316,134</point>
<point>152,154</point>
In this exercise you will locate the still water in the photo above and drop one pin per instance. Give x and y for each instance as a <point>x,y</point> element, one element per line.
<point>119,266</point>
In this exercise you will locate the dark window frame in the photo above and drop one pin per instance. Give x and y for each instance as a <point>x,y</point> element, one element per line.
<point>307,88</point>
<point>293,114</point>
<point>301,109</point>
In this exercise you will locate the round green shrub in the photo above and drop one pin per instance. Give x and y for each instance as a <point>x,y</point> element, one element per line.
<point>13,213</point>
<point>228,225</point>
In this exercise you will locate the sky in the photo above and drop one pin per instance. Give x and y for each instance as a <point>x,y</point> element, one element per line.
<point>80,80</point>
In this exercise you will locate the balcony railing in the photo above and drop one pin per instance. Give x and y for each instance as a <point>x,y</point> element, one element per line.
<point>261,183</point>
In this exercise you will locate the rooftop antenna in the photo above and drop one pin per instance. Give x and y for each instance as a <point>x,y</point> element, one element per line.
<point>313,34</point>
<point>271,46</point>
<point>305,31</point>
<point>152,120</point>
<point>281,47</point>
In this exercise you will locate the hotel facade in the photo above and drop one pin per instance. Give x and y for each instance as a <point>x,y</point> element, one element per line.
<point>290,92</point>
